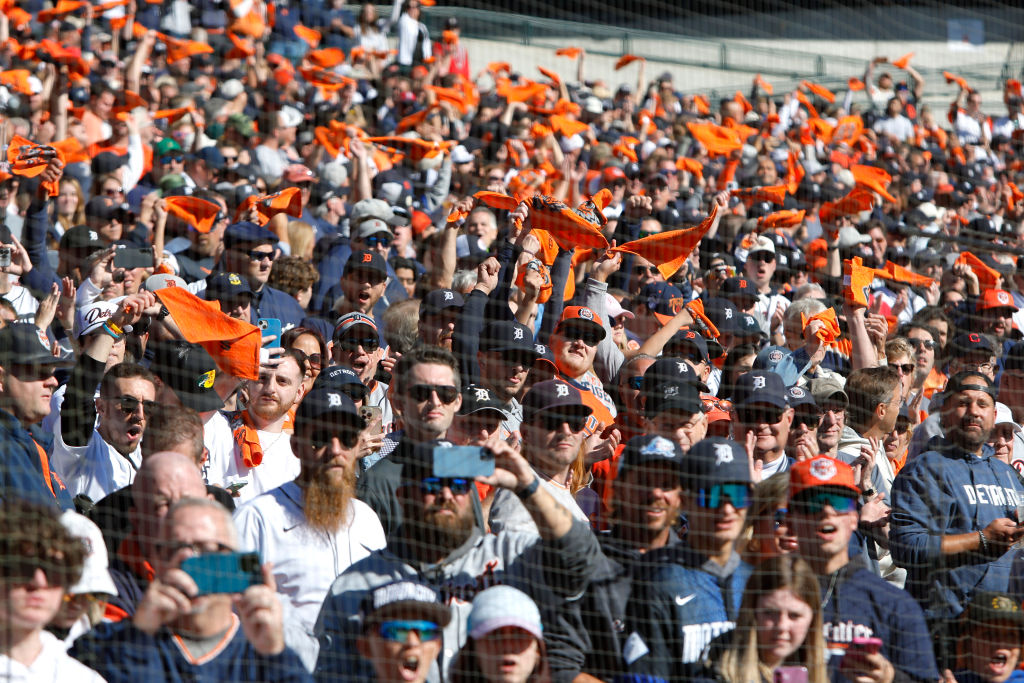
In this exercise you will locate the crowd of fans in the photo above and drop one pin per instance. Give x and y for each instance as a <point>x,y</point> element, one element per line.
<point>505,376</point>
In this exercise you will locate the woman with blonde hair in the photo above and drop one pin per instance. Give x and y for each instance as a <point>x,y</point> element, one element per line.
<point>779,625</point>
<point>69,209</point>
<point>767,533</point>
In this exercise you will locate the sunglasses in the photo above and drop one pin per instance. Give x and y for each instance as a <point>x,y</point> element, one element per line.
<point>230,159</point>
<point>111,191</point>
<point>759,415</point>
<point>779,517</point>
<point>585,334</point>
<point>645,270</point>
<point>176,158</point>
<point>323,437</point>
<point>257,255</point>
<point>918,343</point>
<point>904,368</point>
<point>434,485</point>
<point>762,256</point>
<point>373,241</point>
<point>514,359</point>
<point>810,420</point>
<point>20,571</point>
<point>422,392</point>
<point>814,503</point>
<point>129,404</point>
<point>399,631</point>
<point>369,344</point>
<point>552,422</point>
<point>739,495</point>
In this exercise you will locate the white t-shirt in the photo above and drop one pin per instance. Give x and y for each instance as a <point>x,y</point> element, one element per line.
<point>279,466</point>
<point>52,665</point>
<point>98,468</point>
<point>25,305</point>
<point>220,442</point>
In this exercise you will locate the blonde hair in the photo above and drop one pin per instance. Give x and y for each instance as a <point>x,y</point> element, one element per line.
<point>741,662</point>
<point>301,238</point>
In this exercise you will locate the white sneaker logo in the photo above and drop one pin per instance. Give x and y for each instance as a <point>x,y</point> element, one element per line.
<point>682,600</point>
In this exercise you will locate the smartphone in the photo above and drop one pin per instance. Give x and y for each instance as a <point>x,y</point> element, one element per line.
<point>133,258</point>
<point>224,572</point>
<point>463,462</point>
<point>5,257</point>
<point>868,646</point>
<point>237,486</point>
<point>791,674</point>
<point>270,327</point>
<point>371,414</point>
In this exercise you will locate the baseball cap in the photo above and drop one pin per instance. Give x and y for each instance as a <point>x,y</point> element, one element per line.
<point>95,570</point>
<point>972,342</point>
<point>826,388</point>
<point>289,117</point>
<point>375,210</point>
<point>189,371</point>
<point>241,123</point>
<point>584,315</point>
<point>551,394</point>
<point>612,173</point>
<point>212,157</point>
<point>247,233</point>
<point>720,311</point>
<point>107,209</point>
<point>81,237</point>
<point>681,396</point>
<point>742,325</point>
<point>365,260</point>
<point>503,606</point>
<point>476,398</point>
<point>160,281</point>
<point>799,396</point>
<point>350,320</point>
<point>989,606</point>
<point>736,287</point>
<point>408,599</point>
<point>298,173</point>
<point>440,299</point>
<point>688,343</point>
<point>824,472</point>
<point>1005,416</point>
<point>106,162</point>
<point>663,299</point>
<point>341,378</point>
<point>164,146</point>
<point>325,401</point>
<point>508,335</point>
<point>615,309</point>
<point>671,370</point>
<point>224,286</point>
<point>769,357</point>
<point>92,317</point>
<point>26,344</point>
<point>995,298</point>
<point>716,460</point>
<point>760,387</point>
<point>648,448</point>
<point>762,243</point>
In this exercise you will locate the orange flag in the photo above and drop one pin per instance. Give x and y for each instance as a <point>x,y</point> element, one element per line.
<point>234,344</point>
<point>855,84</point>
<point>802,99</point>
<point>873,178</point>
<point>669,250</point>
<point>28,159</point>
<point>413,120</point>
<point>180,49</point>
<point>550,74</point>
<point>451,95</point>
<point>626,60</point>
<point>1015,196</point>
<point>847,130</point>
<point>739,98</point>
<point>717,140</point>
<point>1014,86</point>
<point>495,67</point>
<point>521,93</point>
<point>820,90</point>
<point>857,280</point>
<point>72,149</point>
<point>287,201</point>
<point>16,79</point>
<point>787,218</point>
<point>953,78</point>
<point>988,277</point>
<point>571,228</point>
<point>691,166</point>
<point>776,194</point>
<point>103,7</point>
<point>199,213</point>
<point>63,7</point>
<point>830,332</point>
<point>570,52</point>
<point>763,84</point>
<point>172,115</point>
<point>904,61</point>
<point>898,273</point>
<point>794,173</point>
<point>856,201</point>
<point>328,58</point>
<point>240,47</point>
<point>310,36</point>
<point>702,104</point>
<point>568,127</point>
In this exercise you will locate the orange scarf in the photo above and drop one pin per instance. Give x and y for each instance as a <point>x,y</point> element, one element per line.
<point>247,440</point>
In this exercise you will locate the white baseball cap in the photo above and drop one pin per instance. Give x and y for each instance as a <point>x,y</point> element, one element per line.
<point>95,572</point>
<point>615,309</point>
<point>1005,416</point>
<point>500,606</point>
<point>90,318</point>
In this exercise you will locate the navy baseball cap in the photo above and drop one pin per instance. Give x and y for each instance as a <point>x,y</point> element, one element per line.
<point>674,370</point>
<point>760,387</point>
<point>365,260</point>
<point>247,232</point>
<point>799,396</point>
<point>714,461</point>
<point>552,394</point>
<point>189,370</point>
<point>440,299</point>
<point>973,342</point>
<point>508,335</point>
<point>26,344</point>
<point>681,396</point>
<point>476,398</point>
<point>663,299</point>
<point>649,448</point>
<point>324,401</point>
<point>225,286</point>
<point>688,343</point>
<point>341,378</point>
<point>739,287</point>
<point>720,311</point>
<point>742,325</point>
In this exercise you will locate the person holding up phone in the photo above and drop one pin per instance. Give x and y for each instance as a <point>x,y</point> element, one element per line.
<point>177,634</point>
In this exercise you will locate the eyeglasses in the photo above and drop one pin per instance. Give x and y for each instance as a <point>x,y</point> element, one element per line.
<point>316,360</point>
<point>762,256</point>
<point>904,368</point>
<point>434,485</point>
<point>369,344</point>
<point>422,392</point>
<point>586,334</point>
<point>374,240</point>
<point>984,366</point>
<point>636,383</point>
<point>645,270</point>
<point>814,502</point>
<point>810,420</point>
<point>175,158</point>
<point>779,517</point>
<point>129,404</point>
<point>323,437</point>
<point>919,343</point>
<point>739,495</point>
<point>552,422</point>
<point>21,571</point>
<point>399,631</point>
<point>257,255</point>
<point>171,548</point>
<point>32,373</point>
<point>111,191</point>
<point>758,415</point>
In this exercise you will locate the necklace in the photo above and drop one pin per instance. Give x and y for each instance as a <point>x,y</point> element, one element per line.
<point>831,587</point>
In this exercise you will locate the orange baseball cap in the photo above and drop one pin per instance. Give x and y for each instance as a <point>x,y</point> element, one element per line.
<point>583,314</point>
<point>821,471</point>
<point>995,298</point>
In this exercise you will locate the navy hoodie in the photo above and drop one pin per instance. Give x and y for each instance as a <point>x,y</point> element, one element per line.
<point>942,492</point>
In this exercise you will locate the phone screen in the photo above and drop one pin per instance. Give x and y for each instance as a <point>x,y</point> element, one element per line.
<point>224,572</point>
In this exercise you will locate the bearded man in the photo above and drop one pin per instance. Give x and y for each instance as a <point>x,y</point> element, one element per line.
<point>313,528</point>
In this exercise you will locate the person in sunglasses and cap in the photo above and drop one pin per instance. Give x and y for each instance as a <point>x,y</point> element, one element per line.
<point>691,594</point>
<point>856,602</point>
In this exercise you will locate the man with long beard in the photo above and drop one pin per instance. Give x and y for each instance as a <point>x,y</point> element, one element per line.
<point>263,451</point>
<point>440,543</point>
<point>312,529</point>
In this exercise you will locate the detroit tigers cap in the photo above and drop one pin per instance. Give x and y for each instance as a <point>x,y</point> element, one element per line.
<point>716,460</point>
<point>342,378</point>
<point>681,396</point>
<point>365,260</point>
<point>508,335</point>
<point>440,299</point>
<point>26,344</point>
<point>581,315</point>
<point>688,343</point>
<point>406,599</point>
<point>824,472</point>
<point>81,237</point>
<point>553,393</point>
<point>649,448</point>
<point>760,387</point>
<point>247,232</point>
<point>800,396</point>
<point>350,320</point>
<point>326,401</point>
<point>476,398</point>
<point>671,370</point>
<point>995,298</point>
